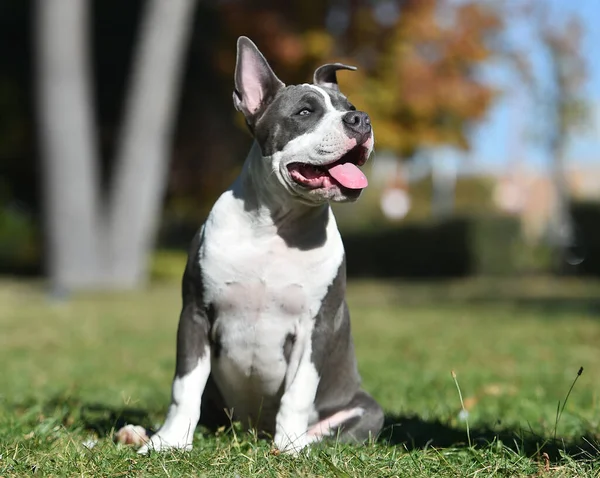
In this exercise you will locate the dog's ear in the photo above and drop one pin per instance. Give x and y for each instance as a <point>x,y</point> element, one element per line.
<point>326,75</point>
<point>255,83</point>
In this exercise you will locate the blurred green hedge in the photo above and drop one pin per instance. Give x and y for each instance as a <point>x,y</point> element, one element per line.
<point>20,250</point>
<point>415,250</point>
<point>464,246</point>
<point>486,245</point>
<point>460,246</point>
<point>585,252</point>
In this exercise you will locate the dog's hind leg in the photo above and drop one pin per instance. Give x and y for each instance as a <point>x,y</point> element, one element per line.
<point>358,421</point>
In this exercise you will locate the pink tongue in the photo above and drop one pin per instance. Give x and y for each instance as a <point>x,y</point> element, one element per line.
<point>349,176</point>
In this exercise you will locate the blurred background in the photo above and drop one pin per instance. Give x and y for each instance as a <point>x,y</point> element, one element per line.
<point>475,248</point>
<point>117,132</point>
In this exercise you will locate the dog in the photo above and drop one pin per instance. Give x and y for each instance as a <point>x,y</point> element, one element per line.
<point>264,332</point>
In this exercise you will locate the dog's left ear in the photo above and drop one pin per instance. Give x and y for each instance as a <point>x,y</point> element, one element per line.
<point>255,83</point>
<point>326,75</point>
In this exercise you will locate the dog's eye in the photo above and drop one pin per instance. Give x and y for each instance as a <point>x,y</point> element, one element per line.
<point>351,107</point>
<point>304,112</point>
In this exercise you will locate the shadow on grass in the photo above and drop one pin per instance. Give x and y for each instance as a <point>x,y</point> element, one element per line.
<point>97,417</point>
<point>548,306</point>
<point>410,432</point>
<point>413,433</point>
<point>551,295</point>
<point>493,293</point>
<point>105,420</point>
<point>550,309</point>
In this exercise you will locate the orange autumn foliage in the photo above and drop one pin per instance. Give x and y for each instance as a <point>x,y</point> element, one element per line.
<point>418,63</point>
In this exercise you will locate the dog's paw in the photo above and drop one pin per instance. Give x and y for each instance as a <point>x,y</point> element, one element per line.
<point>132,435</point>
<point>161,442</point>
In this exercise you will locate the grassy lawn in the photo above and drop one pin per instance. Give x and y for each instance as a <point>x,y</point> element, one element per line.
<point>71,372</point>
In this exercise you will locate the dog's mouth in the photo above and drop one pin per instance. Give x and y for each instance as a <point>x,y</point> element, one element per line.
<point>343,172</point>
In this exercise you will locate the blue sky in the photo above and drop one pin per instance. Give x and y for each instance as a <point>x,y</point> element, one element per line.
<point>507,131</point>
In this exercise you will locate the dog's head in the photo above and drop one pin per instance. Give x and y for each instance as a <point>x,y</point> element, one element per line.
<point>313,139</point>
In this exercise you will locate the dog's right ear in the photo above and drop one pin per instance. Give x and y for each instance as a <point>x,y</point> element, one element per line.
<point>255,83</point>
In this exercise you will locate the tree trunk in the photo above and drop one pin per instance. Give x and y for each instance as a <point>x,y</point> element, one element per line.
<point>89,246</point>
<point>67,142</point>
<point>562,222</point>
<point>142,159</point>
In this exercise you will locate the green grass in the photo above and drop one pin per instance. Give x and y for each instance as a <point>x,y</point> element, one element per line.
<point>74,371</point>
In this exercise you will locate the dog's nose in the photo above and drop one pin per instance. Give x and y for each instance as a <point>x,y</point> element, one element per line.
<point>357,123</point>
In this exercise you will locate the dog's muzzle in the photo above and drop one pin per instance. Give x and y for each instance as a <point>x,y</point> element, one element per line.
<point>344,172</point>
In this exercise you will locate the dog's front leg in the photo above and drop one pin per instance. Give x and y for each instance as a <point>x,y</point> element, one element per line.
<point>301,382</point>
<point>192,371</point>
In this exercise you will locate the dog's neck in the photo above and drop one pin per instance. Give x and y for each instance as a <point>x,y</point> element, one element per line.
<point>270,205</point>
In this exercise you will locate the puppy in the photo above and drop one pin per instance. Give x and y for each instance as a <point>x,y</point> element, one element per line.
<point>264,333</point>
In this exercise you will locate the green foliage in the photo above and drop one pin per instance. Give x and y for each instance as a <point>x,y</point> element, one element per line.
<point>417,67</point>
<point>499,248</point>
<point>495,242</point>
<point>479,245</point>
<point>168,265</point>
<point>419,83</point>
<point>112,358</point>
<point>19,242</point>
<point>473,196</point>
<point>432,249</point>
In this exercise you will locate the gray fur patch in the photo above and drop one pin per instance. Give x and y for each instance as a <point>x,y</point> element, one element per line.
<point>288,345</point>
<point>281,122</point>
<point>192,332</point>
<point>333,348</point>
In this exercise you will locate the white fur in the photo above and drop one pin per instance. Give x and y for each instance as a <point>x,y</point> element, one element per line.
<point>184,412</point>
<point>263,290</point>
<point>296,406</point>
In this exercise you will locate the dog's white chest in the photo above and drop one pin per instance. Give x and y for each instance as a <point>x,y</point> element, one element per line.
<point>262,292</point>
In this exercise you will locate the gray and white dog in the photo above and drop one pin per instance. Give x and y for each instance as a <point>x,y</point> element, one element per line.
<point>264,332</point>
